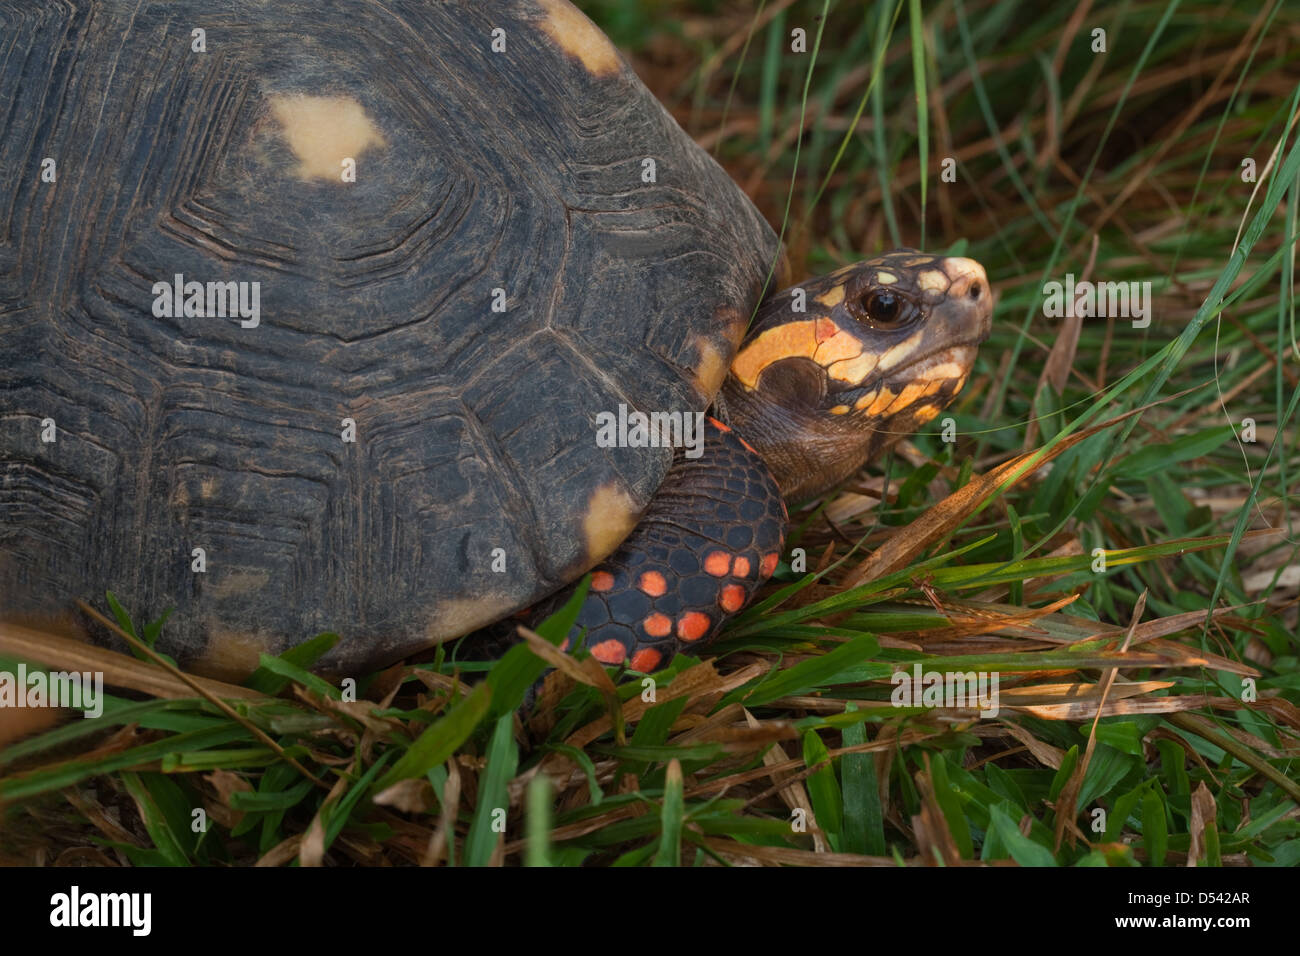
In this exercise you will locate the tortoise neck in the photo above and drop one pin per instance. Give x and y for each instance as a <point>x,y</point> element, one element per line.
<point>807,451</point>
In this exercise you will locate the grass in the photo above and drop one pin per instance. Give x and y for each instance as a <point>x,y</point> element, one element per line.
<point>1112,531</point>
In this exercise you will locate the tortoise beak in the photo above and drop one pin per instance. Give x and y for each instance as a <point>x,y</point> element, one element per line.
<point>969,292</point>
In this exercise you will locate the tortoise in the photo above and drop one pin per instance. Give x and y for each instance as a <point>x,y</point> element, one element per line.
<point>398,321</point>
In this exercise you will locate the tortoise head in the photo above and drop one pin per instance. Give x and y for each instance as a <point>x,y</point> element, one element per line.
<point>837,369</point>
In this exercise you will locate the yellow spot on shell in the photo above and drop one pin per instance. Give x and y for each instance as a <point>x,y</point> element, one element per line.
<point>323,131</point>
<point>925,413</point>
<point>712,368</point>
<point>456,617</point>
<point>579,37</point>
<point>840,410</point>
<point>611,515</point>
<point>230,655</point>
<point>230,582</point>
<point>831,297</point>
<point>901,351</point>
<point>20,722</point>
<point>886,278</point>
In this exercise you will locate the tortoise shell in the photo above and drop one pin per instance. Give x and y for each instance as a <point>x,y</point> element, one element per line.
<point>307,315</point>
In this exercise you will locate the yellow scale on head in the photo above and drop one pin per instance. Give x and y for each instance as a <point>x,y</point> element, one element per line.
<point>792,340</point>
<point>907,396</point>
<point>884,398</point>
<point>832,297</point>
<point>837,348</point>
<point>902,350</point>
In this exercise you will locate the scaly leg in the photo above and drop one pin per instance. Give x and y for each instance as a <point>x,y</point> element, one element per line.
<point>711,536</point>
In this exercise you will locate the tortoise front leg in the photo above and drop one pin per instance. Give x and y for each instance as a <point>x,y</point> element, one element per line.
<point>711,536</point>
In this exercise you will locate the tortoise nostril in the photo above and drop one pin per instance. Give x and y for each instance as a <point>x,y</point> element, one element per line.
<point>976,290</point>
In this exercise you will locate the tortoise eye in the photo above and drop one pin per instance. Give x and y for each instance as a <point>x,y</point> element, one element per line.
<point>882,306</point>
<point>886,310</point>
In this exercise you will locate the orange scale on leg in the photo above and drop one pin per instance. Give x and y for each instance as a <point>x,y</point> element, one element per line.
<point>602,581</point>
<point>717,563</point>
<point>609,652</point>
<point>693,625</point>
<point>768,567</point>
<point>721,427</point>
<point>658,625</point>
<point>741,568</point>
<point>653,584</point>
<point>732,598</point>
<point>646,660</point>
